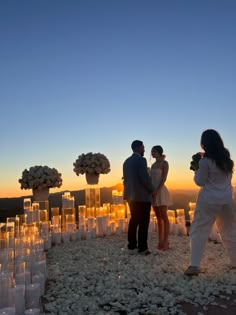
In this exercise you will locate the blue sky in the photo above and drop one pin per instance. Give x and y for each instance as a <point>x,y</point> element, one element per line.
<point>92,76</point>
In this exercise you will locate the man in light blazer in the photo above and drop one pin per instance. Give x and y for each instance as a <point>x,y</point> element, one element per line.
<point>138,192</point>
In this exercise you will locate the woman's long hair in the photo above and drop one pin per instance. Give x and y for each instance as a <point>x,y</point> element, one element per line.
<point>213,146</point>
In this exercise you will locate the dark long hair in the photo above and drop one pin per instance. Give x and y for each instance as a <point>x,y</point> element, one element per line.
<point>214,148</point>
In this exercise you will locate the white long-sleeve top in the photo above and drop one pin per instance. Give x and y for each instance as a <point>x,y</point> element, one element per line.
<point>216,187</point>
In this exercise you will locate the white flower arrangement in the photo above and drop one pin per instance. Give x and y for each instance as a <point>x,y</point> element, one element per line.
<point>92,163</point>
<point>40,177</point>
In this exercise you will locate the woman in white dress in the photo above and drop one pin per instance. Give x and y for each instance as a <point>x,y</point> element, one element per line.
<point>161,197</point>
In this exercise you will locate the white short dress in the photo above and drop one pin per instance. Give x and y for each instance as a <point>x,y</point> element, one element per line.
<point>163,198</point>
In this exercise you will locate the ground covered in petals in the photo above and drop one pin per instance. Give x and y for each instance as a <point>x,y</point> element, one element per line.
<point>99,276</point>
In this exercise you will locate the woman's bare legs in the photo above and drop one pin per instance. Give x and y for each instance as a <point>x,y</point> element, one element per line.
<point>163,226</point>
<point>160,224</point>
<point>163,210</point>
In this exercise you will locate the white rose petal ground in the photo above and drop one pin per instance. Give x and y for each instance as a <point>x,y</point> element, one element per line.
<point>98,276</point>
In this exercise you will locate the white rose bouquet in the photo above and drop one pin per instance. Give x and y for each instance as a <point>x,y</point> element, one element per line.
<point>194,164</point>
<point>92,163</point>
<point>40,177</point>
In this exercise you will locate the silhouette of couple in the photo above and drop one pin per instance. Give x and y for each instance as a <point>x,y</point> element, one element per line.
<point>142,191</point>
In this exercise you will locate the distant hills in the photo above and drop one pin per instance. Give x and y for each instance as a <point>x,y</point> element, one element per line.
<point>10,207</point>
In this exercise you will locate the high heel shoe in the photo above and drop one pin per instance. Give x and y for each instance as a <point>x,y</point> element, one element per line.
<point>165,248</point>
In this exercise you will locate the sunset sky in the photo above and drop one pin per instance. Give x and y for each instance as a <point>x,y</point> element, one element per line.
<point>94,75</point>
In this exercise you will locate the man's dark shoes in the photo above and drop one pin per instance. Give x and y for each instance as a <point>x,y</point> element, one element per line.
<point>132,250</point>
<point>145,252</point>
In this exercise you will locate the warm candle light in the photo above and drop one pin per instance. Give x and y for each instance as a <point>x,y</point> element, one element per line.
<point>55,211</point>
<point>191,215</point>
<point>180,212</point>
<point>192,206</point>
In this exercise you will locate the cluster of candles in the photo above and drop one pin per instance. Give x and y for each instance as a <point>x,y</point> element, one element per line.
<point>179,225</point>
<point>90,220</point>
<point>23,269</point>
<point>24,239</point>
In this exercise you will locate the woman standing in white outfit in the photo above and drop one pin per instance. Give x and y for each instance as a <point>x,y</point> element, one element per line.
<point>161,196</point>
<point>215,200</point>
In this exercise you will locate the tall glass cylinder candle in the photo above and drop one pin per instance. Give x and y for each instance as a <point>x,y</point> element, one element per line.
<point>90,213</point>
<point>65,212</point>
<point>55,211</point>
<point>68,201</point>
<point>91,223</point>
<point>92,197</point>
<point>192,206</point>
<point>8,311</point>
<point>32,295</point>
<point>32,311</point>
<point>5,283</point>
<point>27,203</point>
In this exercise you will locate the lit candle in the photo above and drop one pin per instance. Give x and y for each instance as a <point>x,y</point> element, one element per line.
<point>70,227</point>
<point>121,224</point>
<point>5,282</point>
<point>81,211</point>
<point>47,242</point>
<point>29,215</point>
<point>99,226</point>
<point>106,219</point>
<point>16,298</point>
<point>182,230</point>
<point>39,266</point>
<point>39,278</point>
<point>44,228</point>
<point>56,220</point>
<point>93,232</point>
<point>81,221</point>
<point>91,222</point>
<point>32,295</point>
<point>4,258</point>
<point>180,212</point>
<point>20,278</point>
<point>7,311</point>
<point>88,235</point>
<point>32,311</point>
<point>175,229</point>
<point>65,236</point>
<point>54,211</point>
<point>113,227</point>
<point>191,215</point>
<point>27,277</point>
<point>74,236</point>
<point>36,215</point>
<point>192,206</point>
<point>56,238</point>
<point>118,230</point>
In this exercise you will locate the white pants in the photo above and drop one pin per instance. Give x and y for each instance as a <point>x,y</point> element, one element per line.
<point>204,217</point>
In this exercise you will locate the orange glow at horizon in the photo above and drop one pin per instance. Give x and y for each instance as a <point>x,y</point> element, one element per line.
<point>174,182</point>
<point>15,192</point>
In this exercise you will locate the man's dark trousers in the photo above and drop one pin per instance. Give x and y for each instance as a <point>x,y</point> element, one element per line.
<point>140,217</point>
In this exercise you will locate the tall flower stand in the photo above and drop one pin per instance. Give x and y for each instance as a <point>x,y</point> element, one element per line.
<point>40,194</point>
<point>92,194</point>
<point>40,206</point>
<point>92,197</point>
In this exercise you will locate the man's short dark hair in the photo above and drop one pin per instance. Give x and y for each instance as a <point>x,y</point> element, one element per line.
<point>136,144</point>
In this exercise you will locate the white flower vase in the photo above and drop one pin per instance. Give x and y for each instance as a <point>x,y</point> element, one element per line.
<point>40,194</point>
<point>92,178</point>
